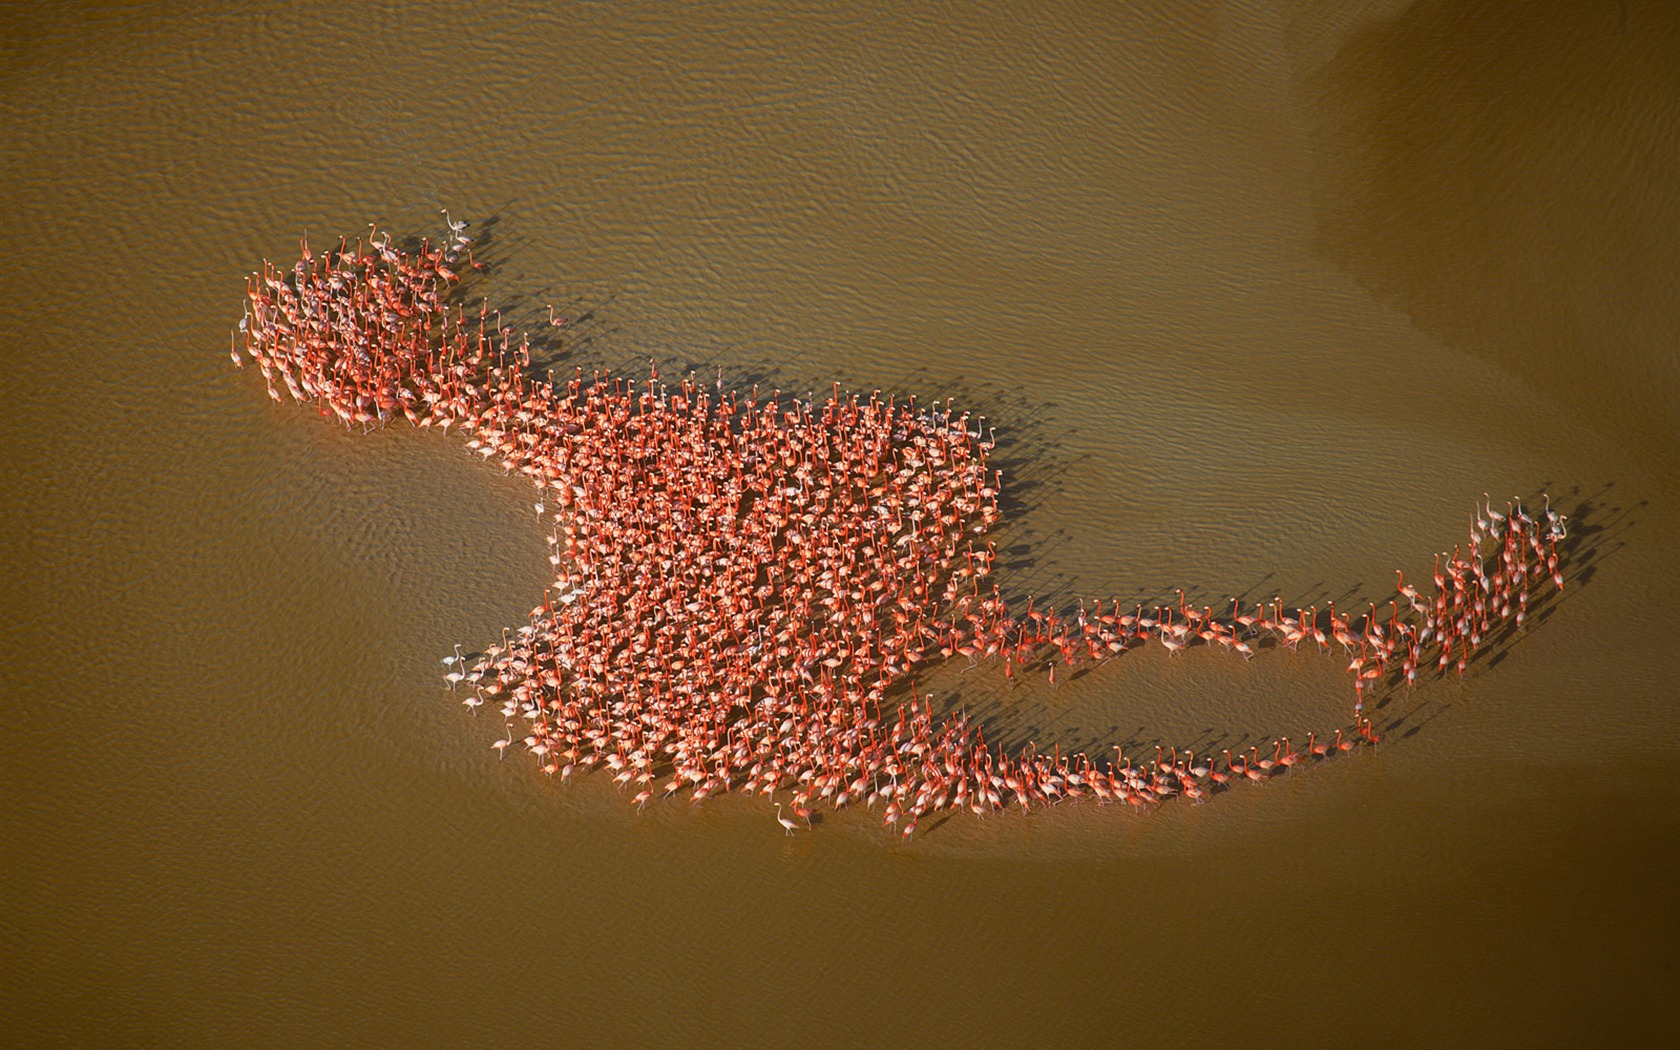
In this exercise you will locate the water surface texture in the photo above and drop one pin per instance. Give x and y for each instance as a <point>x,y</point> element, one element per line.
<point>1260,297</point>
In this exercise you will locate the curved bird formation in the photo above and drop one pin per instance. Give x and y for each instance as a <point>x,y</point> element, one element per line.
<point>745,583</point>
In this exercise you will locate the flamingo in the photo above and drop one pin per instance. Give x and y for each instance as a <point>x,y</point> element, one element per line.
<point>741,581</point>
<point>787,822</point>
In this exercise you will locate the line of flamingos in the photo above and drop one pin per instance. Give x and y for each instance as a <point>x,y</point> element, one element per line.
<point>745,585</point>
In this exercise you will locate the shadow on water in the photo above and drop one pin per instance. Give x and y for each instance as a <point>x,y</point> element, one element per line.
<point>1597,524</point>
<point>1032,450</point>
<point>1598,527</point>
<point>1450,183</point>
<point>558,335</point>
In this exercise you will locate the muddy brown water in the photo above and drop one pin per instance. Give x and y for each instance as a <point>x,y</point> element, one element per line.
<point>1261,297</point>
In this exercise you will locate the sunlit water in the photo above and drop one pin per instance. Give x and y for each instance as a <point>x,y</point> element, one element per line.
<point>1260,297</point>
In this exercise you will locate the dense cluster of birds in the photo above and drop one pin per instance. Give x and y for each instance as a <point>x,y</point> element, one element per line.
<point>746,584</point>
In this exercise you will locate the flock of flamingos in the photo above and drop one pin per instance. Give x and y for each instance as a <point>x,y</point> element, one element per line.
<point>746,585</point>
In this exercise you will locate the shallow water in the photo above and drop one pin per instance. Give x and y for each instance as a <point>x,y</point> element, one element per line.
<point>1260,296</point>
